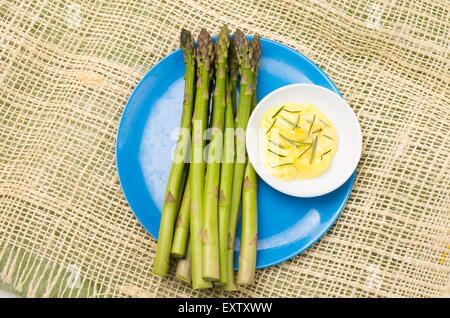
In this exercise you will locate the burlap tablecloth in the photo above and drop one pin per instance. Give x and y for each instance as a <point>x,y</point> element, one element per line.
<point>67,69</point>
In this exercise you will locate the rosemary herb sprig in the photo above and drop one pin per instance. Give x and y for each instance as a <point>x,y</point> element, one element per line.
<point>317,130</point>
<point>278,111</point>
<point>292,111</point>
<point>296,125</point>
<point>314,149</point>
<point>276,144</point>
<point>275,153</point>
<point>289,140</point>
<point>271,126</point>
<point>288,121</point>
<point>324,122</point>
<point>296,143</point>
<point>283,164</point>
<point>321,156</point>
<point>326,136</point>
<point>303,143</point>
<point>304,151</point>
<point>312,123</point>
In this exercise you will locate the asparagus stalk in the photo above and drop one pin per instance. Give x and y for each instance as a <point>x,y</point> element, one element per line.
<point>183,270</point>
<point>181,232</point>
<point>210,253</point>
<point>169,212</point>
<point>205,58</point>
<point>245,57</point>
<point>256,48</point>
<point>249,234</point>
<point>226,181</point>
<point>182,186</point>
<point>233,72</point>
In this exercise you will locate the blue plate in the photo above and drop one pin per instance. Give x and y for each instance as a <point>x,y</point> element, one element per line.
<point>146,137</point>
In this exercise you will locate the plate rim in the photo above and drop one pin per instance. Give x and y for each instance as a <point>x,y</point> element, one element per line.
<point>155,235</point>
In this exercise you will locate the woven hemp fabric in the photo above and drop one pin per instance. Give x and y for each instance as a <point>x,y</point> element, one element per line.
<point>67,69</point>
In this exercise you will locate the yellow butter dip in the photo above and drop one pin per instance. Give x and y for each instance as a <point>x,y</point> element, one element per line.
<point>300,141</point>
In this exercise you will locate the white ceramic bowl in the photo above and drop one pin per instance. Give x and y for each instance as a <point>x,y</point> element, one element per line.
<point>341,116</point>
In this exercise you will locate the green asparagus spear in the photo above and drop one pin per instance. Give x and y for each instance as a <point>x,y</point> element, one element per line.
<point>226,181</point>
<point>245,58</point>
<point>205,58</point>
<point>182,186</point>
<point>256,48</point>
<point>169,212</point>
<point>183,270</point>
<point>249,234</point>
<point>210,253</point>
<point>233,65</point>
<point>181,232</point>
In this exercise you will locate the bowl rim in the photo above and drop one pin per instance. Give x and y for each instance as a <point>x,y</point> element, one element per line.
<point>276,183</point>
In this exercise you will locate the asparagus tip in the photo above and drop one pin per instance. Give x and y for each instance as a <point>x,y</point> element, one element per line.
<point>187,42</point>
<point>205,49</point>
<point>222,45</point>
<point>255,46</point>
<point>242,47</point>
